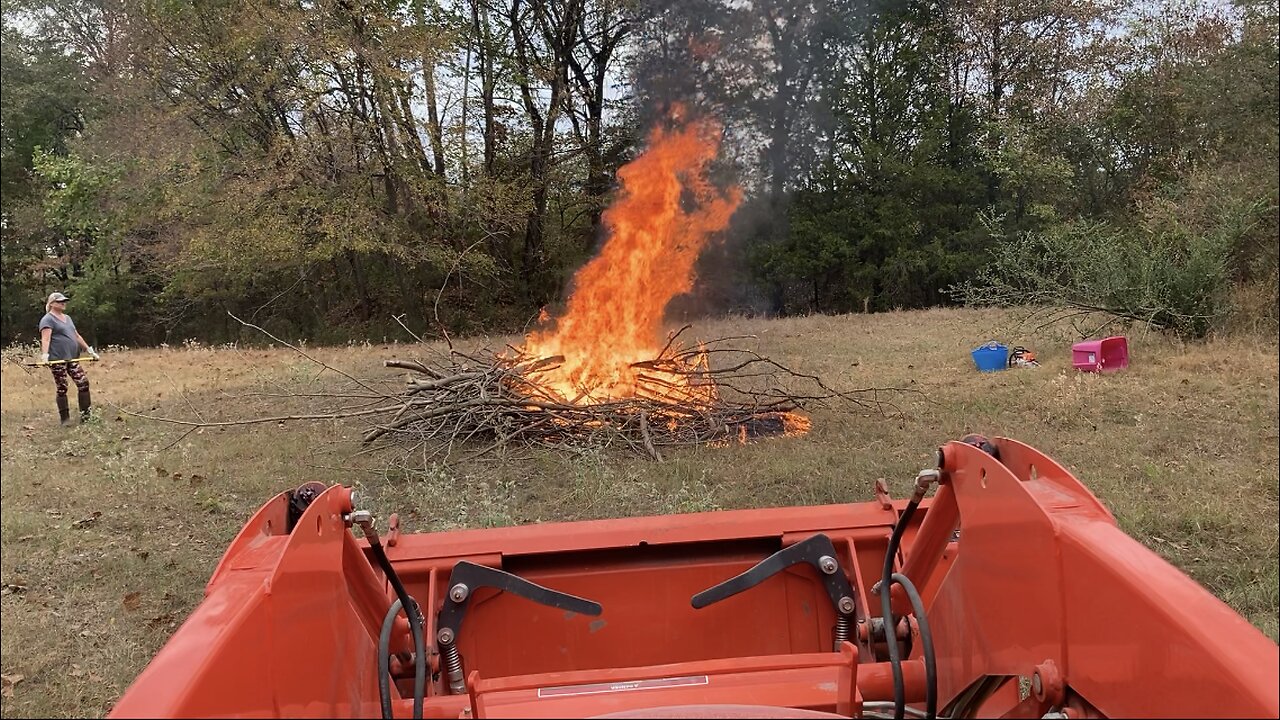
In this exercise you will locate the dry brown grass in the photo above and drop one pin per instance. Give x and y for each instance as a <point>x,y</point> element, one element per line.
<point>1182,447</point>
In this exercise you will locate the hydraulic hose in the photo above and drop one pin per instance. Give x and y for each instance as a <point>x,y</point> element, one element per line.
<point>384,663</point>
<point>384,659</point>
<point>930,662</point>
<point>412,612</point>
<point>886,607</point>
<point>887,578</point>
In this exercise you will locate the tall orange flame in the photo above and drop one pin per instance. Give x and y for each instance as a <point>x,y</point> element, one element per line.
<point>666,212</point>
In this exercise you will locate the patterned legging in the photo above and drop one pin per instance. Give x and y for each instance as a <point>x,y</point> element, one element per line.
<point>77,373</point>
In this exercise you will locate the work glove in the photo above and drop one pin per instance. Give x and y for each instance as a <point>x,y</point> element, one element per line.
<point>93,353</point>
<point>44,357</point>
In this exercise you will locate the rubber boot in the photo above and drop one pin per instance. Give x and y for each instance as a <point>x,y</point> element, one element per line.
<point>64,410</point>
<point>85,403</point>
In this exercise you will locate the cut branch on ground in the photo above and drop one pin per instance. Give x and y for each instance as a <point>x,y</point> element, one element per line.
<point>714,394</point>
<point>456,405</point>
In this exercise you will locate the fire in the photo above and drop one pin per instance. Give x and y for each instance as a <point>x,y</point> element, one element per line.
<point>666,212</point>
<point>793,424</point>
<point>608,344</point>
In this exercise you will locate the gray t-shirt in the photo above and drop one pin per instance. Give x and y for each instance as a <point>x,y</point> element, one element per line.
<point>62,342</point>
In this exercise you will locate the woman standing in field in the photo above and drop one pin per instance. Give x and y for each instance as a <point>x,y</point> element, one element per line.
<point>60,341</point>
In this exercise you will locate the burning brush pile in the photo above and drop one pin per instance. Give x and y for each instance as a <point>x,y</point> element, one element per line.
<point>603,373</point>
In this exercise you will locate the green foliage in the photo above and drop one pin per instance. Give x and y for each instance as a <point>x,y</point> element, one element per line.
<point>112,296</point>
<point>1179,185</point>
<point>332,170</point>
<point>890,217</point>
<point>110,305</point>
<point>43,99</point>
<point>23,298</point>
<point>1161,270</point>
<point>70,190</point>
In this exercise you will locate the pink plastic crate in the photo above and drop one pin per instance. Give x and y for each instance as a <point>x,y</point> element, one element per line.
<point>1105,355</point>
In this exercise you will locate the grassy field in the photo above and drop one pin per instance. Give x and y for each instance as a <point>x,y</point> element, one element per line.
<point>111,529</point>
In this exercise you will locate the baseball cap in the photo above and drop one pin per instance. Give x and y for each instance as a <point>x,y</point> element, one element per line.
<point>58,297</point>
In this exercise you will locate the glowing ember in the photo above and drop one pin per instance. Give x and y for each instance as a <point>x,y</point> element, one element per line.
<point>767,424</point>
<point>794,424</point>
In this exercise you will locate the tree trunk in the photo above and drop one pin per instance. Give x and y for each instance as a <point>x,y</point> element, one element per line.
<point>559,33</point>
<point>434,133</point>
<point>485,52</point>
<point>363,301</point>
<point>995,97</point>
<point>590,77</point>
<point>388,145</point>
<point>531,258</point>
<point>409,127</point>
<point>597,177</point>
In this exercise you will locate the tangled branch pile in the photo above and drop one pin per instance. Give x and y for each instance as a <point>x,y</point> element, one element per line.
<point>713,394</point>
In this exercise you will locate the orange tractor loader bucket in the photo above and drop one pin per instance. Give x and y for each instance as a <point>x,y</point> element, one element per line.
<point>1009,592</point>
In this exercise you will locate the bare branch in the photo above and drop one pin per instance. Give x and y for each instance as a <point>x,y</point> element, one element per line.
<point>680,400</point>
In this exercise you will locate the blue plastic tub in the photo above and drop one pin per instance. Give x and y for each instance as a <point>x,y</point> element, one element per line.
<point>991,357</point>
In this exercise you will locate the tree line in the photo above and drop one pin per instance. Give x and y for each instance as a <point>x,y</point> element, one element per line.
<point>332,168</point>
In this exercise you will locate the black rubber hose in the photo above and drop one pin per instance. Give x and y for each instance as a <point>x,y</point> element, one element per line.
<point>384,659</point>
<point>886,608</point>
<point>419,663</point>
<point>930,662</point>
<point>380,555</point>
<point>411,611</point>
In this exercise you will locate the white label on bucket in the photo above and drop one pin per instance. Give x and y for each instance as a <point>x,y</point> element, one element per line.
<point>1092,357</point>
<point>624,686</point>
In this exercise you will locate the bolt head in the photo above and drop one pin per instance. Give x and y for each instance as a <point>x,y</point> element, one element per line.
<point>1037,685</point>
<point>828,564</point>
<point>846,605</point>
<point>459,592</point>
<point>445,636</point>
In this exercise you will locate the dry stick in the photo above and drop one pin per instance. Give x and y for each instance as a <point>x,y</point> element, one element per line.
<point>417,386</point>
<point>1057,316</point>
<point>648,441</point>
<point>453,352</point>
<point>303,354</point>
<point>404,409</point>
<point>264,379</point>
<point>672,339</point>
<point>179,439</point>
<point>259,421</point>
<point>549,362</point>
<point>22,365</point>
<point>501,441</point>
<point>347,469</point>
<point>406,328</point>
<point>185,398</point>
<point>410,365</point>
<point>537,390</point>
<point>435,311</point>
<point>340,396</point>
<point>426,415</point>
<point>1098,330</point>
<point>728,338</point>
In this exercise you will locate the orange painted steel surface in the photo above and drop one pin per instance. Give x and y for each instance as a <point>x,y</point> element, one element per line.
<point>1037,584</point>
